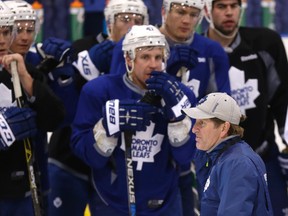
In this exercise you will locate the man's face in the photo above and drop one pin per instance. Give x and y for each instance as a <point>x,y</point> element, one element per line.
<point>207,133</point>
<point>181,22</point>
<point>25,35</point>
<point>226,16</point>
<point>123,22</point>
<point>147,59</point>
<point>5,39</point>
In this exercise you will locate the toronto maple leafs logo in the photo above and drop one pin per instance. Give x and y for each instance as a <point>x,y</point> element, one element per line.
<point>145,146</point>
<point>245,93</point>
<point>6,96</point>
<point>202,100</point>
<point>193,84</point>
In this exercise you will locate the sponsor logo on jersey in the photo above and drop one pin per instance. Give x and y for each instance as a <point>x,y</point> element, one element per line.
<point>201,59</point>
<point>248,58</point>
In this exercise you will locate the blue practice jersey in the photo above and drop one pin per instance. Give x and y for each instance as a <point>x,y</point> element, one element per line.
<point>154,158</point>
<point>209,75</point>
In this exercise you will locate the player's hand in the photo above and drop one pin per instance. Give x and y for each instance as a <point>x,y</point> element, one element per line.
<point>56,48</point>
<point>169,89</point>
<point>101,55</point>
<point>181,56</point>
<point>16,124</point>
<point>126,115</point>
<point>96,61</point>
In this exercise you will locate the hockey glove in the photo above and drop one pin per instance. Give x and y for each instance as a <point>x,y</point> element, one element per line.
<point>96,61</point>
<point>181,56</point>
<point>55,52</point>
<point>169,89</point>
<point>63,75</point>
<point>126,115</point>
<point>56,48</point>
<point>101,55</point>
<point>16,124</point>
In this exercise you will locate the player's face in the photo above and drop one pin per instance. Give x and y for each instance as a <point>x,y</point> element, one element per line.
<point>25,35</point>
<point>5,39</point>
<point>207,134</point>
<point>226,15</point>
<point>181,22</point>
<point>147,59</point>
<point>123,22</point>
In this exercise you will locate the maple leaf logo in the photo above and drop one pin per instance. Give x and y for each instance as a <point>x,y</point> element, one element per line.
<point>244,93</point>
<point>144,150</point>
<point>6,96</point>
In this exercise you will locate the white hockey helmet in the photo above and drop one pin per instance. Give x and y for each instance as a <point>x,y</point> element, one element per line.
<point>144,36</point>
<point>192,3</point>
<point>22,10</point>
<point>6,15</point>
<point>115,7</point>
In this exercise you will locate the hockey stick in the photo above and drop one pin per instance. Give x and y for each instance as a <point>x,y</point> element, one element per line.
<point>150,99</point>
<point>129,173</point>
<point>27,144</point>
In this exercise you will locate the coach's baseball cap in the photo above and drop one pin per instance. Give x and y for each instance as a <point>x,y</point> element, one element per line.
<point>216,105</point>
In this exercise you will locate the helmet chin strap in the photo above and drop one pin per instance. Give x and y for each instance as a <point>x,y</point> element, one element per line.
<point>130,70</point>
<point>223,35</point>
<point>211,23</point>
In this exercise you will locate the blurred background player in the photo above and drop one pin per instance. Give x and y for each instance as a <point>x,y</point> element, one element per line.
<point>71,188</point>
<point>42,112</point>
<point>120,15</point>
<point>259,79</point>
<point>209,74</point>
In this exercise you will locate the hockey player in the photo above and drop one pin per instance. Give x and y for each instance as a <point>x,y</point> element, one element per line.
<point>64,166</point>
<point>120,16</point>
<point>26,30</point>
<point>26,23</point>
<point>237,182</point>
<point>71,188</point>
<point>259,79</point>
<point>110,106</point>
<point>188,50</point>
<point>42,111</point>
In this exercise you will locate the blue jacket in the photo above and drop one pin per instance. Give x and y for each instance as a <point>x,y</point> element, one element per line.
<point>237,181</point>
